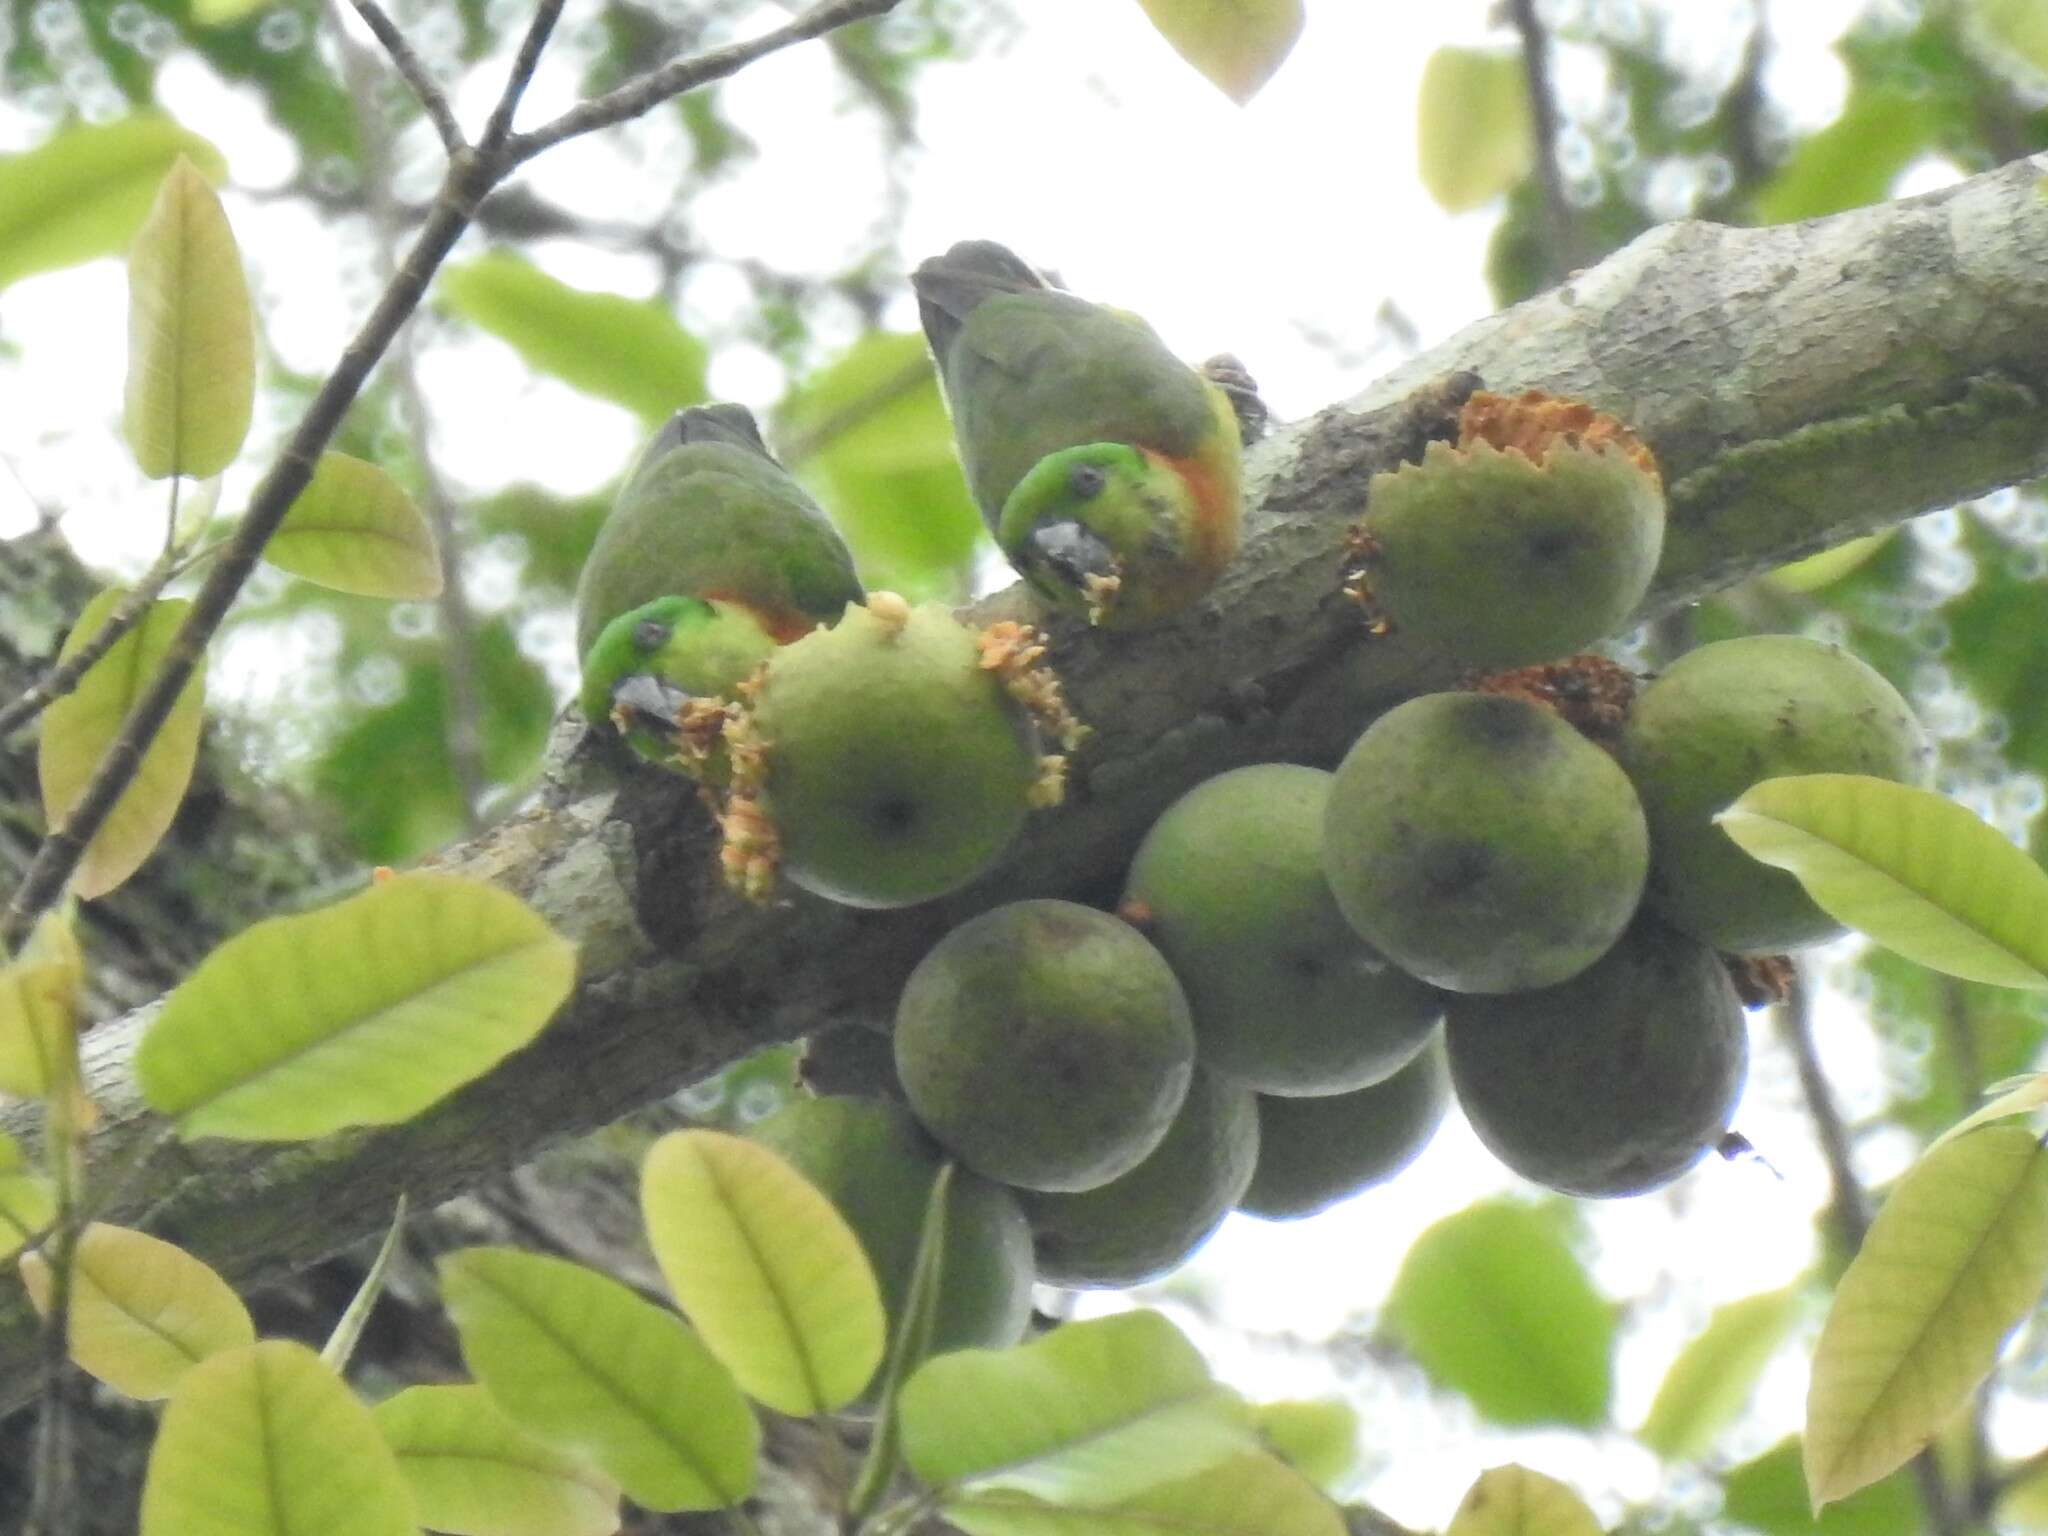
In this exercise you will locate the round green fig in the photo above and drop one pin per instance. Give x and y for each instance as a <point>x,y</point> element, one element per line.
<point>1047,1045</point>
<point>1725,717</point>
<point>1534,537</point>
<point>884,762</point>
<point>874,1163</point>
<point>1315,1152</point>
<point>1141,1225</point>
<point>1286,997</point>
<point>1482,844</point>
<point>1614,1082</point>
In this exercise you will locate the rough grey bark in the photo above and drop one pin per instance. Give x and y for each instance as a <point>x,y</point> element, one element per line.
<point>1798,384</point>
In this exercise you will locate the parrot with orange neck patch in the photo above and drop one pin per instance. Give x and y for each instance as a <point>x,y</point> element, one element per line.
<point>1108,469</point>
<point>712,557</point>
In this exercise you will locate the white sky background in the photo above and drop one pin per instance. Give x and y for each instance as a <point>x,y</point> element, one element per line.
<point>1277,232</point>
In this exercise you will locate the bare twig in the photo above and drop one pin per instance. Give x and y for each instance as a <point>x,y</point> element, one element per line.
<point>499,128</point>
<point>1560,225</point>
<point>433,100</point>
<point>642,95</point>
<point>64,676</point>
<point>1742,111</point>
<point>1851,1207</point>
<point>800,446</point>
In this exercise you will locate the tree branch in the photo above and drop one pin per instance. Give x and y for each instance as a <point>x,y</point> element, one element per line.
<point>643,95</point>
<point>538,31</point>
<point>63,677</point>
<point>432,99</point>
<point>1798,384</point>
<point>1560,227</point>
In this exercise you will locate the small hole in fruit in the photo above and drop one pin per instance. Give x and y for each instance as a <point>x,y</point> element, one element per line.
<point>894,815</point>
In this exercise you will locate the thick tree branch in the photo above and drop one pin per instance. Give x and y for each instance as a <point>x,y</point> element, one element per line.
<point>1799,384</point>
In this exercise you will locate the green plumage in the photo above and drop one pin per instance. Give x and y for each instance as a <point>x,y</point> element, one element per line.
<point>707,512</point>
<point>1029,370</point>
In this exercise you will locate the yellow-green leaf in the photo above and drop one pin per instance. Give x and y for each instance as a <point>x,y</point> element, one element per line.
<point>1916,872</point>
<point>219,13</point>
<point>362,1013</point>
<point>353,529</point>
<point>143,1311</point>
<point>266,1441</point>
<point>191,334</point>
<point>766,1269</point>
<point>1236,45</point>
<point>1830,565</point>
<point>1089,1414</point>
<point>1473,136</point>
<point>28,1201</point>
<point>2018,26</point>
<point>39,1008</point>
<point>575,1358</point>
<point>473,1472</point>
<point>1319,1438</point>
<point>2024,1505</point>
<point>1710,1381</point>
<point>1251,1495</point>
<point>78,729</point>
<point>85,191</point>
<point>1954,1260</point>
<point>1513,1501</point>
<point>2026,1095</point>
<point>625,350</point>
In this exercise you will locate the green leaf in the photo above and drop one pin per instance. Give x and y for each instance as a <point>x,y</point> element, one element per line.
<point>1091,1413</point>
<point>1492,1303</point>
<point>473,1472</point>
<point>1916,872</point>
<point>143,1311</point>
<point>219,13</point>
<point>1474,139</point>
<point>1853,161</point>
<point>765,1268</point>
<point>2024,1505</point>
<point>39,991</point>
<point>2020,27</point>
<point>1250,1495</point>
<point>362,1013</point>
<point>353,529</point>
<point>28,1201</point>
<point>191,334</point>
<point>1513,1501</point>
<point>2019,1098</point>
<point>577,1359</point>
<point>80,727</point>
<point>1954,1260</point>
<point>341,1343</point>
<point>1829,566</point>
<point>619,349</point>
<point>1236,45</point>
<point>86,191</point>
<point>264,1440</point>
<point>1319,1438</point>
<point>1709,1383</point>
<point>1769,1495</point>
<point>869,435</point>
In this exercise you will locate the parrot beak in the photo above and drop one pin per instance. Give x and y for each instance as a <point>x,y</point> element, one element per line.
<point>1074,554</point>
<point>643,702</point>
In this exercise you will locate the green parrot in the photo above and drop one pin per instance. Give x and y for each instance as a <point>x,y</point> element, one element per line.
<point>1107,469</point>
<point>711,557</point>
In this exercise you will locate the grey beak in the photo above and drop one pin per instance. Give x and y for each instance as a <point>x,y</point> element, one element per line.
<point>1072,553</point>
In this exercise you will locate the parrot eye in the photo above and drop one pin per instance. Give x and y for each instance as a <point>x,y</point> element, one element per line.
<point>1086,481</point>
<point>650,635</point>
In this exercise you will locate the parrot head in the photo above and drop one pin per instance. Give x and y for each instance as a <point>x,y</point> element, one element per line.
<point>652,664</point>
<point>1094,528</point>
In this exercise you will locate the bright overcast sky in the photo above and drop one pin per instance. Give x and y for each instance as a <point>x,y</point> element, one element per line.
<point>1278,232</point>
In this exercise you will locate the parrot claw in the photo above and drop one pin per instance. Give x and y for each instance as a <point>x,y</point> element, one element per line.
<point>1229,375</point>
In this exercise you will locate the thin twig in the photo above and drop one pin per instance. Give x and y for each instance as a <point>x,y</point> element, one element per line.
<point>1560,224</point>
<point>1850,1205</point>
<point>462,733</point>
<point>1742,111</point>
<point>649,91</point>
<point>53,1511</point>
<point>499,128</point>
<point>433,100</point>
<point>63,677</point>
<point>906,380</point>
